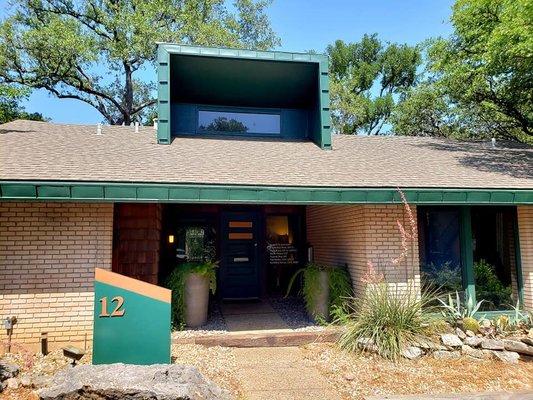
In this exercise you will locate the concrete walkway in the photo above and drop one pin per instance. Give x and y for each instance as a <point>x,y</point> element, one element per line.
<point>280,373</point>
<point>246,316</point>
<point>477,396</point>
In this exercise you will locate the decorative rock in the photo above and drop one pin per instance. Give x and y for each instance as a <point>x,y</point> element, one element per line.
<point>509,357</point>
<point>35,381</point>
<point>367,344</point>
<point>528,341</point>
<point>473,341</point>
<point>12,383</point>
<point>132,382</point>
<point>476,353</point>
<point>412,352</point>
<point>518,347</point>
<point>8,370</point>
<point>349,377</point>
<point>427,344</point>
<point>485,323</point>
<point>459,332</point>
<point>451,340</point>
<point>469,333</point>
<point>446,355</point>
<point>492,344</point>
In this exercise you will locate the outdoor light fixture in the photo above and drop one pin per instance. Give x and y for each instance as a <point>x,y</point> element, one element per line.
<point>171,238</point>
<point>73,353</point>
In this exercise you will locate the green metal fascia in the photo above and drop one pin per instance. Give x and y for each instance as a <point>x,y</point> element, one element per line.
<point>164,80</point>
<point>240,194</point>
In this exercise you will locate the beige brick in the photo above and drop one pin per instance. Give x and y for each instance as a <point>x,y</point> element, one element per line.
<point>48,252</point>
<point>525,234</point>
<point>354,235</point>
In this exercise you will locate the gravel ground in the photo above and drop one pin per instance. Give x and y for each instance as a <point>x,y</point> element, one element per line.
<point>216,363</point>
<point>215,324</point>
<point>292,311</point>
<point>356,376</point>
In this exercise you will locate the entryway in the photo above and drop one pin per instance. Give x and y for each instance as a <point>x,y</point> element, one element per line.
<point>251,315</point>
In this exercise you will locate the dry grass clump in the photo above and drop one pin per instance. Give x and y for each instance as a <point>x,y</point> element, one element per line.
<point>216,363</point>
<point>357,375</point>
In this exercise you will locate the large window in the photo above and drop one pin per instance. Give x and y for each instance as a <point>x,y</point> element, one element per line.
<point>215,121</point>
<point>493,274</point>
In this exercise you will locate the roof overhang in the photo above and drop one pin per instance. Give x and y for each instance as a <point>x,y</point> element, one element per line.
<point>237,194</point>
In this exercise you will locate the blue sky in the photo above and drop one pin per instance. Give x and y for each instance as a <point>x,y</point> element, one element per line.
<point>305,25</point>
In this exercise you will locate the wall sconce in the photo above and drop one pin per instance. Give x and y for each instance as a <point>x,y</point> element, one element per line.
<point>171,239</point>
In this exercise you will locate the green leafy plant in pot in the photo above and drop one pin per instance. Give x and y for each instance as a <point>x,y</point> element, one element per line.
<point>324,288</point>
<point>190,284</point>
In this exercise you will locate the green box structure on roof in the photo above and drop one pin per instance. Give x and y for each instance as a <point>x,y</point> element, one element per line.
<point>294,84</point>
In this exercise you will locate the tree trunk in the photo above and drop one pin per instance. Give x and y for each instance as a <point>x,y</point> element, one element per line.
<point>128,94</point>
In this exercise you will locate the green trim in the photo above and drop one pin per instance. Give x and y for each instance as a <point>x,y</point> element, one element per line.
<point>164,50</point>
<point>195,193</point>
<point>467,254</point>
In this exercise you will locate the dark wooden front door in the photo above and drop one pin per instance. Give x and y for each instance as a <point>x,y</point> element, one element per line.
<point>240,261</point>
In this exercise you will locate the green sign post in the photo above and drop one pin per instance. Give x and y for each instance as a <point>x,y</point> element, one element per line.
<point>131,321</point>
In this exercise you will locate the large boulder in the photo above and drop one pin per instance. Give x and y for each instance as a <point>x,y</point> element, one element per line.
<point>132,382</point>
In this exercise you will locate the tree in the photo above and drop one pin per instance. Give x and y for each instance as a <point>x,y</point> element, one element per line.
<point>222,124</point>
<point>10,108</point>
<point>483,74</point>
<point>367,78</point>
<point>93,50</point>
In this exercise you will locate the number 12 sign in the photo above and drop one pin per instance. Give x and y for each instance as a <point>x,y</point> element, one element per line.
<point>131,320</point>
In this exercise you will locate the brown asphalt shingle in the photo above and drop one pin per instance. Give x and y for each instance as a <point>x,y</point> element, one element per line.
<point>45,151</point>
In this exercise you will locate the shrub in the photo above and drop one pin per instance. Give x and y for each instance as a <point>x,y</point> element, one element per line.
<point>471,324</point>
<point>489,287</point>
<point>176,283</point>
<point>387,317</point>
<point>340,287</point>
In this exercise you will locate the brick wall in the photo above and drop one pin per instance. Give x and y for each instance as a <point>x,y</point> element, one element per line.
<point>137,241</point>
<point>354,235</point>
<point>48,252</point>
<point>525,233</point>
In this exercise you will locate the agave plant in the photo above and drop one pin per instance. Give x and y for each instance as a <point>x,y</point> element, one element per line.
<point>454,310</point>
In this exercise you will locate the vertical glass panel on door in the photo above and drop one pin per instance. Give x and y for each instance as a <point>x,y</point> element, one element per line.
<point>238,122</point>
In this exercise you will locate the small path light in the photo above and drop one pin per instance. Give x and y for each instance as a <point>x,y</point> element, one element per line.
<point>74,353</point>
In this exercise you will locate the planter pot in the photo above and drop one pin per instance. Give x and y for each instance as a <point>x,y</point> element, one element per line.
<point>196,299</point>
<point>320,308</point>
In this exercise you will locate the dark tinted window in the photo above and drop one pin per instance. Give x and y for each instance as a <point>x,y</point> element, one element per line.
<point>238,122</point>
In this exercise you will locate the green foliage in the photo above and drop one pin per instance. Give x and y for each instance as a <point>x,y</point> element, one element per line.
<point>340,287</point>
<point>387,319</point>
<point>367,77</point>
<point>94,50</point>
<point>489,287</point>
<point>445,278</point>
<point>222,124</point>
<point>454,310</point>
<point>471,324</point>
<point>480,80</point>
<point>10,108</point>
<point>176,283</point>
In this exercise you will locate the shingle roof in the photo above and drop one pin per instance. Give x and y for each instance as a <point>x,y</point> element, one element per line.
<point>55,152</point>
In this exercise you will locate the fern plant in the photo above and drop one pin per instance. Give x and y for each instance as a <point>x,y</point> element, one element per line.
<point>176,282</point>
<point>339,285</point>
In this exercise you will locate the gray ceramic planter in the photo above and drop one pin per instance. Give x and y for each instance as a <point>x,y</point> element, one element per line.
<point>196,299</point>
<point>320,308</point>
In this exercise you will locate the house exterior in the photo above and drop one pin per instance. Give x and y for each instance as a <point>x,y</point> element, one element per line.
<point>243,160</point>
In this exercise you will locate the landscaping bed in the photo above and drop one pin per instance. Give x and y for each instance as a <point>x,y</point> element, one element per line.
<point>357,375</point>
